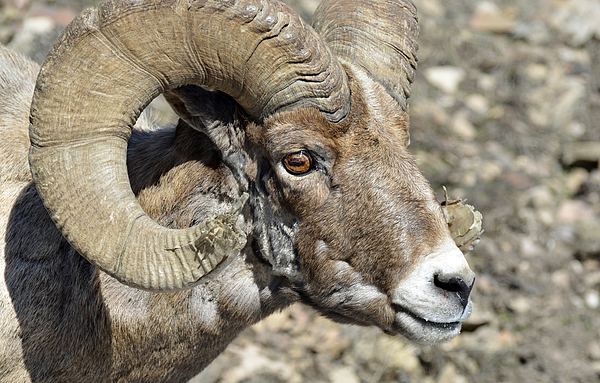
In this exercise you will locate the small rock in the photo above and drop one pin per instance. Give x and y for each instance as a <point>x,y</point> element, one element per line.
<point>577,302</point>
<point>535,32</point>
<point>575,129</point>
<point>253,362</point>
<point>431,109</point>
<point>450,374</point>
<point>497,111</point>
<point>399,355</point>
<point>593,351</point>
<point>391,353</point>
<point>578,19</point>
<point>432,7</point>
<point>520,305</point>
<point>524,267</point>
<point>537,71</point>
<point>572,211</point>
<point>576,179</point>
<point>18,4</point>
<point>61,16</point>
<point>592,279</point>
<point>556,303</point>
<point>343,374</point>
<point>333,344</point>
<point>546,216</point>
<point>490,170</point>
<point>446,78</point>
<point>462,126</point>
<point>478,318</point>
<point>592,299</point>
<point>485,286</point>
<point>487,82</point>
<point>561,278</point>
<point>478,103</point>
<point>518,180</point>
<point>530,249</point>
<point>578,152</point>
<point>533,167</point>
<point>540,196</point>
<point>489,18</point>
<point>576,266</point>
<point>569,101</point>
<point>586,235</point>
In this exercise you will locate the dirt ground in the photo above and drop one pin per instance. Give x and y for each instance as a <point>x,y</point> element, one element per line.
<point>505,113</point>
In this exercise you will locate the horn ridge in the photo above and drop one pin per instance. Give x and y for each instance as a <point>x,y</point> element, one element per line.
<point>377,37</point>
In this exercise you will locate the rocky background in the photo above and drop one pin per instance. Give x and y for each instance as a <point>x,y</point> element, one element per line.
<point>505,113</point>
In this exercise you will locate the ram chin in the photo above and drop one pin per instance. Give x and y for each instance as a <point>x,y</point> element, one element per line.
<point>423,331</point>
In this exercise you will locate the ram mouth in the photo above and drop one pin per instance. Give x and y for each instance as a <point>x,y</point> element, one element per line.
<point>453,326</point>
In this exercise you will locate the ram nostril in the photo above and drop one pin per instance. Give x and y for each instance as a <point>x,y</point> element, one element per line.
<point>454,284</point>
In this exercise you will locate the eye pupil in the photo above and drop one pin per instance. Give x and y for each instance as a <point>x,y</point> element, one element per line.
<point>298,163</point>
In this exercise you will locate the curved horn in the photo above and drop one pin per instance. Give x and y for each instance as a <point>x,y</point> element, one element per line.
<point>377,36</point>
<point>108,65</point>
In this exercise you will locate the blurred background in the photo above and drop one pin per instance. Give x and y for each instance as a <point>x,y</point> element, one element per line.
<point>505,113</point>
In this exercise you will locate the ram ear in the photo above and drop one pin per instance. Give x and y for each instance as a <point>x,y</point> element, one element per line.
<point>202,108</point>
<point>209,111</point>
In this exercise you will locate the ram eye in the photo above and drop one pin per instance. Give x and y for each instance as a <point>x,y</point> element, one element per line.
<point>298,163</point>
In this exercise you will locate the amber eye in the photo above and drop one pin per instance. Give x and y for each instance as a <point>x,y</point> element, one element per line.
<point>298,163</point>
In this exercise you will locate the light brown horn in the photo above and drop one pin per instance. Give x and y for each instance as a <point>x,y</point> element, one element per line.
<point>104,70</point>
<point>377,36</point>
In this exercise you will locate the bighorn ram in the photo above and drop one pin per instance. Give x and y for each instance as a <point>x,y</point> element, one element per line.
<point>138,254</point>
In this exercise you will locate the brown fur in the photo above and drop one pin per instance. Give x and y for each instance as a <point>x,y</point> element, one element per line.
<point>339,238</point>
<point>373,206</point>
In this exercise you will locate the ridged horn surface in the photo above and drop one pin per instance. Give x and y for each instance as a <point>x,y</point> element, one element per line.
<point>111,61</point>
<point>376,36</point>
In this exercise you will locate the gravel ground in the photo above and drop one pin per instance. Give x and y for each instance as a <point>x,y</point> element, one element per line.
<point>504,113</point>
